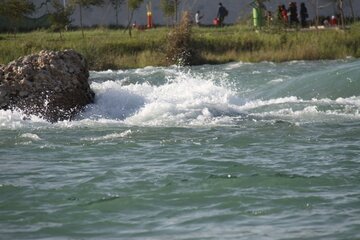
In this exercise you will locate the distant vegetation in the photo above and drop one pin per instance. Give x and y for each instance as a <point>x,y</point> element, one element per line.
<point>114,49</point>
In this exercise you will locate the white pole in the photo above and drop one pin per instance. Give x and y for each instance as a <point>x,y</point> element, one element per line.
<point>64,1</point>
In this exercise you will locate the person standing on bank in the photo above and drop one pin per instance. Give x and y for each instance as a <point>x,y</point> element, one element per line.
<point>303,15</point>
<point>293,14</point>
<point>198,18</point>
<point>221,14</point>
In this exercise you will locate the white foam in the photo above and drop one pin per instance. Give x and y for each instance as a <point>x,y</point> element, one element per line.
<point>260,103</point>
<point>354,100</point>
<point>235,65</point>
<point>185,100</point>
<point>31,136</point>
<point>113,101</point>
<point>200,99</point>
<point>106,72</point>
<point>16,119</point>
<point>298,110</point>
<point>112,136</point>
<point>275,81</point>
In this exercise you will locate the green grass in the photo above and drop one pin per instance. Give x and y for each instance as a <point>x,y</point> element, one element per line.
<point>114,49</point>
<point>240,44</point>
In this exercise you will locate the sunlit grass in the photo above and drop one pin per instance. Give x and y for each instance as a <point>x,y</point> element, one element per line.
<point>108,48</point>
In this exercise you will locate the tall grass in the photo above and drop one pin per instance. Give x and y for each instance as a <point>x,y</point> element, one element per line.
<point>114,49</point>
<point>241,44</point>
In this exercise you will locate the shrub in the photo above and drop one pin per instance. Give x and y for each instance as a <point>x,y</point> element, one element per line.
<point>178,47</point>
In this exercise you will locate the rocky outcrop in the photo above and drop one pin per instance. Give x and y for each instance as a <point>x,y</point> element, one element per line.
<point>53,85</point>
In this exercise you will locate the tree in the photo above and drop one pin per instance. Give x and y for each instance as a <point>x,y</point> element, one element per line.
<point>85,4</point>
<point>60,18</point>
<point>167,8</point>
<point>340,4</point>
<point>132,6</point>
<point>116,4</point>
<point>261,2</point>
<point>14,10</point>
<point>170,8</point>
<point>176,5</point>
<point>315,4</point>
<point>352,10</point>
<point>45,3</point>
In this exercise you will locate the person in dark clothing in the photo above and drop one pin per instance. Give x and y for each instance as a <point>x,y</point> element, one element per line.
<point>293,14</point>
<point>221,14</point>
<point>303,14</point>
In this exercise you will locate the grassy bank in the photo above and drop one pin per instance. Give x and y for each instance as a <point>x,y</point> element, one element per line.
<point>114,49</point>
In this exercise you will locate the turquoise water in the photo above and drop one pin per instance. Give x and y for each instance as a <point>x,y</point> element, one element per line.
<point>233,151</point>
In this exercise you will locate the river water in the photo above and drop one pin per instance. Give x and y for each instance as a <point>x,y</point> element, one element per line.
<point>233,151</point>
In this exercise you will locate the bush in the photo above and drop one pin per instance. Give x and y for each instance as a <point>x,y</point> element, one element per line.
<point>179,48</point>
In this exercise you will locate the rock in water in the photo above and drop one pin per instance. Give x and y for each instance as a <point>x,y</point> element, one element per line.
<point>52,85</point>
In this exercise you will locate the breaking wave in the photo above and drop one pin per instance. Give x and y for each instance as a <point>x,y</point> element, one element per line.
<point>299,92</point>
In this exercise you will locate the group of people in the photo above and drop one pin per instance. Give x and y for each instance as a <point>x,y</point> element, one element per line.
<point>290,16</point>
<point>220,16</point>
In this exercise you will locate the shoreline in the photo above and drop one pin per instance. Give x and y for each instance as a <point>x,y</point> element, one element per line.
<point>113,49</point>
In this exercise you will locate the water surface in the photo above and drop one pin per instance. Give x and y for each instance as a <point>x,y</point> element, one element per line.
<point>233,151</point>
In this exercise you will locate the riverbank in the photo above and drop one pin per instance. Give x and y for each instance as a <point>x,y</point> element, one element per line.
<point>114,49</point>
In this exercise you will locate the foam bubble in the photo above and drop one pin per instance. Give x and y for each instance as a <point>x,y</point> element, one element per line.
<point>31,136</point>
<point>111,136</point>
